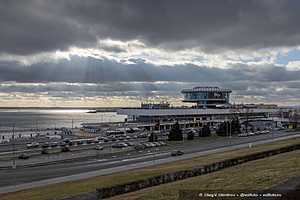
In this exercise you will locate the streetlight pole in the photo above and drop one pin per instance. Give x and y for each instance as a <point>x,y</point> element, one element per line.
<point>230,128</point>
<point>14,148</point>
<point>247,119</point>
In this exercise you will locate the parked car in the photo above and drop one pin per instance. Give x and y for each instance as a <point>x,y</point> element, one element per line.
<point>152,144</point>
<point>67,140</point>
<point>130,143</point>
<point>65,149</point>
<point>143,135</point>
<point>62,144</point>
<point>147,145</point>
<point>46,145</point>
<point>162,143</point>
<point>176,153</point>
<point>128,137</point>
<point>54,144</point>
<point>157,144</point>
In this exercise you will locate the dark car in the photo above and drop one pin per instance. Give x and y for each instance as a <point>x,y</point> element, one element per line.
<point>46,145</point>
<point>62,144</point>
<point>65,149</point>
<point>54,144</point>
<point>119,145</point>
<point>67,140</point>
<point>23,156</point>
<point>177,153</point>
<point>139,147</point>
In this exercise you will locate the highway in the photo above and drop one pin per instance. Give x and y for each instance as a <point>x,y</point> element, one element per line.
<point>21,178</point>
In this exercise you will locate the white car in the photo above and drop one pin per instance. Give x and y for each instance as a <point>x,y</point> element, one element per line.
<point>243,135</point>
<point>251,133</point>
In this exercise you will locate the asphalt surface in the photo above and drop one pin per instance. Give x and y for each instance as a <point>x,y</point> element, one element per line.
<point>22,178</point>
<point>79,151</point>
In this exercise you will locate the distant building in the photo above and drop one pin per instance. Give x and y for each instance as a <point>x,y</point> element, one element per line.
<point>207,97</point>
<point>262,106</point>
<point>161,105</point>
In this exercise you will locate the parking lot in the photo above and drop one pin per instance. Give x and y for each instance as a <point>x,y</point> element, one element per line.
<point>110,145</point>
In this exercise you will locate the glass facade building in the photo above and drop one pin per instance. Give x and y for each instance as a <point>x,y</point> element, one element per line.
<point>207,97</point>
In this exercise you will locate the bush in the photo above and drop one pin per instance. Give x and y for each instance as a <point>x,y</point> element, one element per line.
<point>205,131</point>
<point>224,128</point>
<point>190,135</point>
<point>175,133</point>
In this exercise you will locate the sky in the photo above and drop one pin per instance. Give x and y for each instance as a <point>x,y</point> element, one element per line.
<point>118,53</point>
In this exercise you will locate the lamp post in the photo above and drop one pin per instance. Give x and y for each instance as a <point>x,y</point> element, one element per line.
<point>230,128</point>
<point>14,164</point>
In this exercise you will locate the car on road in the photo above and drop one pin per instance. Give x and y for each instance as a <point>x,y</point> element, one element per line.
<point>33,145</point>
<point>139,147</point>
<point>256,133</point>
<point>176,153</point>
<point>46,145</point>
<point>243,135</point>
<point>251,133</point>
<point>265,132</point>
<point>23,156</point>
<point>119,145</point>
<point>98,147</point>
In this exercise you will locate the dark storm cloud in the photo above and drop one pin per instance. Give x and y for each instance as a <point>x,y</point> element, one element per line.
<point>91,70</point>
<point>90,77</point>
<point>33,26</point>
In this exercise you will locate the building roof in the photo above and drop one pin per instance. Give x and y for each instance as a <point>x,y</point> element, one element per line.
<point>206,89</point>
<point>189,111</point>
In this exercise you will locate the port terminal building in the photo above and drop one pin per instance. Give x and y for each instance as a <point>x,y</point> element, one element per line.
<point>211,105</point>
<point>207,97</point>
